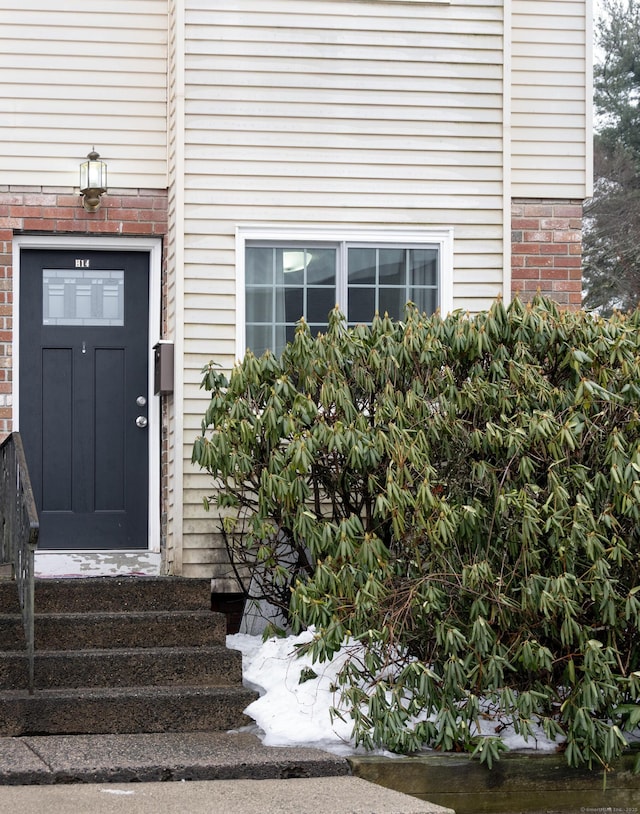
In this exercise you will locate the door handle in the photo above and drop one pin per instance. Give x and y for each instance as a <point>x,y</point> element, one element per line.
<point>141,421</point>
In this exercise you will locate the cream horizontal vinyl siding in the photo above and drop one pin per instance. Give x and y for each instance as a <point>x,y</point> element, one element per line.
<point>75,75</point>
<point>551,99</point>
<point>326,113</point>
<point>172,418</point>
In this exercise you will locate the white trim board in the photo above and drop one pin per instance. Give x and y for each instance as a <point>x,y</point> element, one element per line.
<point>104,243</point>
<point>78,564</point>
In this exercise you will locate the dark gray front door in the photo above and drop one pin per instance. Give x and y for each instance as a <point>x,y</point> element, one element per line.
<point>83,395</point>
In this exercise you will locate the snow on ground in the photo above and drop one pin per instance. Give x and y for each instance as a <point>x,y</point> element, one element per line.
<point>290,713</point>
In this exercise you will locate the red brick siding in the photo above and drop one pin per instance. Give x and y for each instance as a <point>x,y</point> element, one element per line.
<point>546,250</point>
<point>142,213</point>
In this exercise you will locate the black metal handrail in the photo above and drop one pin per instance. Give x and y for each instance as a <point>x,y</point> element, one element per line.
<point>19,529</point>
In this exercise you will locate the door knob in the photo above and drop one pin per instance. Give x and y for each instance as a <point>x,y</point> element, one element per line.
<point>141,421</point>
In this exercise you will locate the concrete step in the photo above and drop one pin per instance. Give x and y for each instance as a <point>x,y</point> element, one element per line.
<point>163,756</point>
<point>9,596</point>
<point>119,655</point>
<point>111,594</point>
<point>115,594</point>
<point>11,632</point>
<point>74,631</point>
<point>123,710</point>
<point>178,666</point>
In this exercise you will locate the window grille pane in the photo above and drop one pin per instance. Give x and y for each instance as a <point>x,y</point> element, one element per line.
<point>392,301</point>
<point>320,301</point>
<point>392,267</point>
<point>362,266</point>
<point>110,301</point>
<point>293,301</point>
<point>83,301</point>
<point>290,266</point>
<point>55,301</point>
<point>362,305</point>
<point>82,297</point>
<point>259,303</point>
<point>259,338</point>
<point>289,335</point>
<point>259,266</point>
<point>424,267</point>
<point>321,267</point>
<point>425,299</point>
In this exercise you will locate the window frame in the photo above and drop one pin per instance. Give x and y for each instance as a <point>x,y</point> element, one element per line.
<point>440,238</point>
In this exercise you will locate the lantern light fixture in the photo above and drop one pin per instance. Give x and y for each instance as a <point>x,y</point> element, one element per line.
<point>93,181</point>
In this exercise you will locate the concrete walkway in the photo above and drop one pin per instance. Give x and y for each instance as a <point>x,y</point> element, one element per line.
<point>338,795</point>
<point>227,773</point>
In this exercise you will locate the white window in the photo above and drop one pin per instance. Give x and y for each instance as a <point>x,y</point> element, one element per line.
<point>283,276</point>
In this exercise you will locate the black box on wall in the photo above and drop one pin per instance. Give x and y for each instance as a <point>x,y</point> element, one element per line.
<point>163,367</point>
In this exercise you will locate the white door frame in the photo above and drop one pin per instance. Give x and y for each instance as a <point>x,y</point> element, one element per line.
<point>153,246</point>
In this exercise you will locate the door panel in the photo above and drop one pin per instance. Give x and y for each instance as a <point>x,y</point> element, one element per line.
<point>83,364</point>
<point>110,452</point>
<point>56,427</point>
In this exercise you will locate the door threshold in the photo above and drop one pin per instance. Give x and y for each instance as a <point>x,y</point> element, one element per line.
<point>97,563</point>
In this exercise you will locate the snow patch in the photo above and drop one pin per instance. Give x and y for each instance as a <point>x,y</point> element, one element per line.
<point>290,713</point>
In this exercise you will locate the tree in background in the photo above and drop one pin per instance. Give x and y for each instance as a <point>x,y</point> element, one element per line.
<point>612,217</point>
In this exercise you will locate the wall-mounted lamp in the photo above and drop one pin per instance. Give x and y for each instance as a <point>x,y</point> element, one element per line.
<point>93,181</point>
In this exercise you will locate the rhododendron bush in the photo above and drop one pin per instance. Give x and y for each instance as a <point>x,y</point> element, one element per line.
<point>461,497</point>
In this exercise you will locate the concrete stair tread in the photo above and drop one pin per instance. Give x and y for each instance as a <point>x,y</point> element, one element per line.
<point>99,594</point>
<point>114,652</point>
<point>111,614</point>
<point>123,667</point>
<point>141,691</point>
<point>111,629</point>
<point>113,710</point>
<point>56,759</point>
<point>116,615</point>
